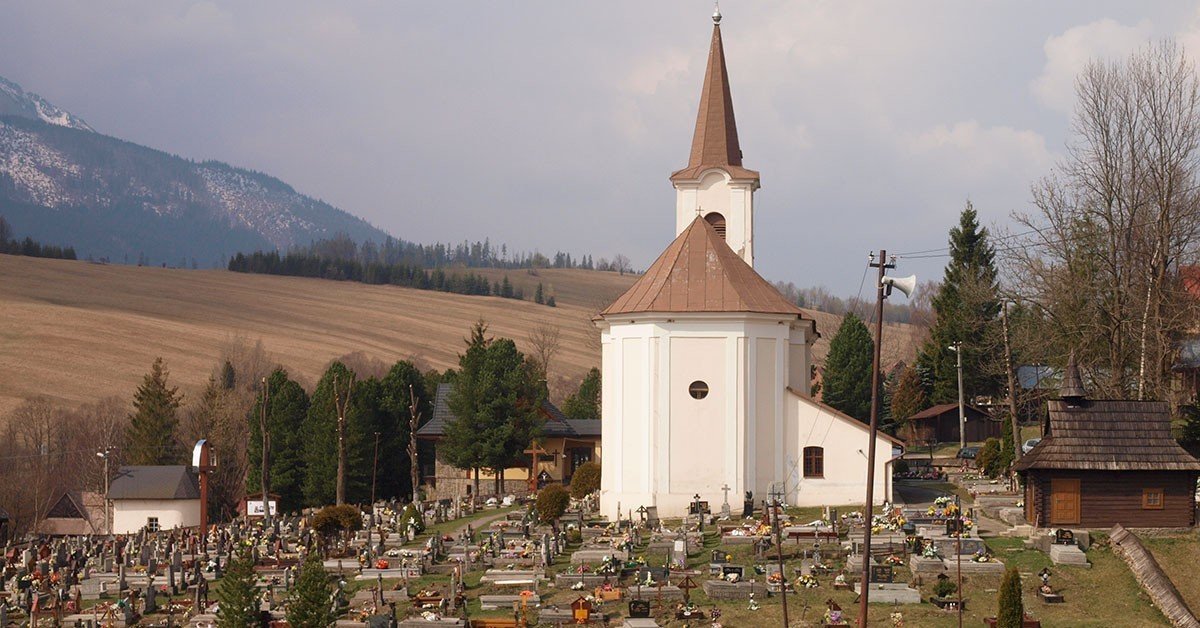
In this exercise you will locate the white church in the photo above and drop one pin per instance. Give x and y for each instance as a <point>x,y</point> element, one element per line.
<point>707,368</point>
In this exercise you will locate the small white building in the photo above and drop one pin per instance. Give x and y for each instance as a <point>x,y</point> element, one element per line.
<point>154,497</point>
<point>707,367</point>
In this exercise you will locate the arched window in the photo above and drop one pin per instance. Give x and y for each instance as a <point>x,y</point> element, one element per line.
<point>718,223</point>
<point>814,462</point>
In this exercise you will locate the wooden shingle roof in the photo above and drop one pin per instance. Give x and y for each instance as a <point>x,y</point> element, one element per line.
<point>1109,435</point>
<point>700,273</point>
<point>556,423</point>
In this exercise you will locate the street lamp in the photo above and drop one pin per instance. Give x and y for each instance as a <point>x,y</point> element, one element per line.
<point>105,454</point>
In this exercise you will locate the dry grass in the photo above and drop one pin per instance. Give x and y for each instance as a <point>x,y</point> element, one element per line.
<point>76,332</point>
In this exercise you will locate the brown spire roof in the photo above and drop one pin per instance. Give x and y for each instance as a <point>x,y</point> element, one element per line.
<point>700,273</point>
<point>715,142</point>
<point>1072,384</point>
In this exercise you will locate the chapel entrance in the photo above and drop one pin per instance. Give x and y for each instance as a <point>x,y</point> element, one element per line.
<point>1064,501</point>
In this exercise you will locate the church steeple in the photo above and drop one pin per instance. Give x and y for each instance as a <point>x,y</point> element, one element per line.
<point>714,184</point>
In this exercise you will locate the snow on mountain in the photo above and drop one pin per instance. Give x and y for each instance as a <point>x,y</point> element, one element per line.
<point>15,101</point>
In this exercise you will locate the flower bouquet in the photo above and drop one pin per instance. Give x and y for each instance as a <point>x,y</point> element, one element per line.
<point>808,581</point>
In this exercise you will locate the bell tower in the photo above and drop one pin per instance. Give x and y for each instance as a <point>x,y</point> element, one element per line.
<point>714,184</point>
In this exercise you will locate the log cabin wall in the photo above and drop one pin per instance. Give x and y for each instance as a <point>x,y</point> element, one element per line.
<point>1111,497</point>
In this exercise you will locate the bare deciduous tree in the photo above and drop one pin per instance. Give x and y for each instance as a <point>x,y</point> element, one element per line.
<point>545,342</point>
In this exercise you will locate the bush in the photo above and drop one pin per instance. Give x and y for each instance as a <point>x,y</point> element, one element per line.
<point>552,502</point>
<point>574,536</point>
<point>901,466</point>
<point>331,520</point>
<point>1012,612</point>
<point>586,480</point>
<point>412,514</point>
<point>944,588</point>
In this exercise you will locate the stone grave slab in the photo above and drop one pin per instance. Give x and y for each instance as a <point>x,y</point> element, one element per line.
<point>922,565</point>
<point>947,546</point>
<point>669,592</point>
<point>494,602</point>
<point>512,577</point>
<point>597,555</point>
<point>971,567</point>
<point>639,622</point>
<point>721,590</point>
<point>421,622</point>
<point>1068,555</point>
<point>891,593</point>
<point>564,580</point>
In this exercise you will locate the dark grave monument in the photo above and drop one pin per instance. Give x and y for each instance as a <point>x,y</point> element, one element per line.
<point>639,609</point>
<point>882,573</point>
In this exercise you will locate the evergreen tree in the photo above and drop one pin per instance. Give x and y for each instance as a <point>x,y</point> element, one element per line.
<point>584,403</point>
<point>506,288</point>
<point>287,407</point>
<point>1012,610</point>
<point>496,401</point>
<point>846,384</point>
<point>1190,438</point>
<point>228,376</point>
<point>310,601</point>
<point>151,436</point>
<point>320,434</point>
<point>237,595</point>
<point>539,296</point>
<point>395,401</point>
<point>908,396</point>
<point>967,308</point>
<point>551,301</point>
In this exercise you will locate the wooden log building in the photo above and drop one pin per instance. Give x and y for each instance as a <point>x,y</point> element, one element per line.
<point>940,423</point>
<point>1108,462</point>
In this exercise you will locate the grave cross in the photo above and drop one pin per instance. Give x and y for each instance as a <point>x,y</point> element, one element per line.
<point>687,584</point>
<point>535,451</point>
<point>725,506</point>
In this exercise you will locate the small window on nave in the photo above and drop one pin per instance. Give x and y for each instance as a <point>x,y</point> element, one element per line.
<point>698,389</point>
<point>718,222</point>
<point>814,462</point>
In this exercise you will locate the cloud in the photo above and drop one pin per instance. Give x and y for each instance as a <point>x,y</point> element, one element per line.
<point>1067,54</point>
<point>970,151</point>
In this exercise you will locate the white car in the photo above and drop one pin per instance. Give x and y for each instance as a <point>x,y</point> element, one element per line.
<point>1029,445</point>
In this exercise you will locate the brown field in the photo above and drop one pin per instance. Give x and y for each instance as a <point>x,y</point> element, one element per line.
<point>77,332</point>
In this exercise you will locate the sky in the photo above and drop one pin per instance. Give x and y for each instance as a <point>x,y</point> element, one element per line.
<point>550,125</point>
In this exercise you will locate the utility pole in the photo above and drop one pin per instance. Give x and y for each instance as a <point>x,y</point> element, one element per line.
<point>266,455</point>
<point>864,585</point>
<point>1012,386</point>
<point>776,499</point>
<point>962,410</point>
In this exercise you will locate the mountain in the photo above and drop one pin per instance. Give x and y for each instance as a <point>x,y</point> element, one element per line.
<point>61,182</point>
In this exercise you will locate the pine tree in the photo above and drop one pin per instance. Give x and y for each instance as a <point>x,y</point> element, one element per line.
<point>967,308</point>
<point>151,436</point>
<point>462,446</point>
<point>237,595</point>
<point>908,397</point>
<point>846,384</point>
<point>584,403</point>
<point>551,302</point>
<point>1012,611</point>
<point>539,296</point>
<point>1189,439</point>
<point>310,601</point>
<point>506,288</point>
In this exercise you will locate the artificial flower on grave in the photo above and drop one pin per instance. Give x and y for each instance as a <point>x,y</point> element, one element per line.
<point>929,551</point>
<point>897,619</point>
<point>840,579</point>
<point>982,556</point>
<point>578,586</point>
<point>808,581</point>
<point>774,577</point>
<point>893,560</point>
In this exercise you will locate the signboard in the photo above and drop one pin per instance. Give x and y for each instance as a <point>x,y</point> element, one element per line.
<point>254,508</point>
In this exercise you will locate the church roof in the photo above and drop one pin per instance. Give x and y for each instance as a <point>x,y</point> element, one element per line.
<point>155,482</point>
<point>556,423</point>
<point>715,142</point>
<point>700,273</point>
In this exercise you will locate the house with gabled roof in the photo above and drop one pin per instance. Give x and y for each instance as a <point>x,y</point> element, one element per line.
<point>1105,462</point>
<point>154,497</point>
<point>563,446</point>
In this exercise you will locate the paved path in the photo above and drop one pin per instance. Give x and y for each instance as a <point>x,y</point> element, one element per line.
<point>914,495</point>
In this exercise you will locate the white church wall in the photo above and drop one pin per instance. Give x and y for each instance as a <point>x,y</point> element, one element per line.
<point>716,192</point>
<point>765,418</point>
<point>698,426</point>
<point>845,442</point>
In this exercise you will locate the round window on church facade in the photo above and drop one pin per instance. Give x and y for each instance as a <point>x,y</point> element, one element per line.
<point>698,389</point>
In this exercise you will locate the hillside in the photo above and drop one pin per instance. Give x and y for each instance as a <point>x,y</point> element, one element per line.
<point>63,183</point>
<point>77,332</point>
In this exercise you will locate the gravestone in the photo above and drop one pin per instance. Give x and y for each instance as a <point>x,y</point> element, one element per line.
<point>882,573</point>
<point>639,609</point>
<point>733,569</point>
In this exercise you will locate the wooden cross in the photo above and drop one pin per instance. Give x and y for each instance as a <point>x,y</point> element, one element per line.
<point>535,450</point>
<point>687,584</point>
